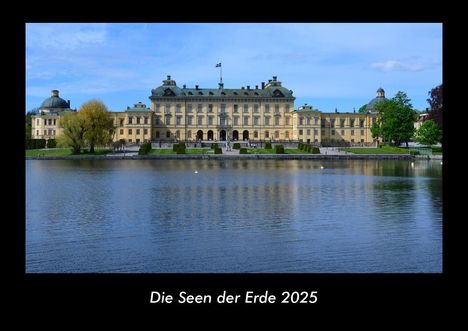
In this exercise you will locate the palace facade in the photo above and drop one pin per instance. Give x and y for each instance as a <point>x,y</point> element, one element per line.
<point>259,113</point>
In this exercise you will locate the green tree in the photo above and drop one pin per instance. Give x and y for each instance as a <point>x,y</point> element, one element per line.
<point>74,128</point>
<point>428,133</point>
<point>395,123</point>
<point>99,125</point>
<point>28,127</point>
<point>362,109</point>
<point>436,102</point>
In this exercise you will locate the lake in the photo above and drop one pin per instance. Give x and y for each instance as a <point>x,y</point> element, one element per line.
<point>233,216</point>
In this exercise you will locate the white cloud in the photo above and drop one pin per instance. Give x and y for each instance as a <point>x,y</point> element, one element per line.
<point>393,65</point>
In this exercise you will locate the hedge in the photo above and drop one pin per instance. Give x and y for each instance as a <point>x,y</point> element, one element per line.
<point>243,151</point>
<point>35,143</point>
<point>214,145</point>
<point>145,148</point>
<point>315,150</point>
<point>51,143</point>
<point>236,146</point>
<point>218,151</point>
<point>268,145</point>
<point>279,149</point>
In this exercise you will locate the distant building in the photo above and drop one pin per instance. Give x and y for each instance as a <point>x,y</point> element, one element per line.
<point>422,117</point>
<point>260,113</point>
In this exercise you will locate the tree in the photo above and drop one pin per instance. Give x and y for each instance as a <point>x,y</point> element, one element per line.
<point>28,123</point>
<point>99,125</point>
<point>74,128</point>
<point>436,103</point>
<point>396,118</point>
<point>362,109</point>
<point>428,133</point>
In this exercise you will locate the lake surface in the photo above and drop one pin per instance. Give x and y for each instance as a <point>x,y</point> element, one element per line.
<point>159,216</point>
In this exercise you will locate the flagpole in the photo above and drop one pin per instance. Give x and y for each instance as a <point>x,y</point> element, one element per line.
<point>221,73</point>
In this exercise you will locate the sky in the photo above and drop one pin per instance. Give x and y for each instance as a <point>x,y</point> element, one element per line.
<point>327,65</point>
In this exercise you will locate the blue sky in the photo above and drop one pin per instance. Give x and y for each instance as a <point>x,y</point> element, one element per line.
<point>327,65</point>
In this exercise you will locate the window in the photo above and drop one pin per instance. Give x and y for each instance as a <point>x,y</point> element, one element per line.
<point>49,121</point>
<point>308,120</point>
<point>236,109</point>
<point>121,131</point>
<point>342,132</point>
<point>323,132</point>
<point>342,122</point>
<point>168,134</point>
<point>45,132</point>
<point>138,120</point>
<point>267,134</point>
<point>300,132</point>
<point>333,132</point>
<point>178,120</point>
<point>276,134</point>
<point>286,109</point>
<point>287,120</point>
<point>168,120</point>
<point>236,120</point>
<point>352,132</point>
<point>167,108</point>
<point>200,120</point>
<point>130,140</point>
<point>130,120</point>
<point>158,120</point>
<point>246,108</point>
<point>308,131</point>
<point>361,123</point>
<point>255,108</point>
<point>37,121</point>
<point>352,123</point>
<point>362,140</point>
<point>223,108</point>
<point>222,121</point>
<point>177,134</point>
<point>199,108</point>
<point>146,120</point>
<point>352,140</point>
<point>286,134</point>
<point>277,120</point>
<point>178,108</point>
<point>130,131</point>
<point>37,132</point>
<point>189,134</point>
<point>315,132</point>
<point>137,131</point>
<point>210,120</point>
<point>267,120</point>
<point>301,120</point>
<point>189,108</point>
<point>145,131</point>
<point>323,123</point>
<point>157,108</point>
<point>189,120</point>
<point>276,109</point>
<point>267,108</point>
<point>55,122</point>
<point>121,122</point>
<point>138,141</point>
<point>316,120</point>
<point>210,108</point>
<point>256,118</point>
<point>332,123</point>
<point>362,132</point>
<point>255,134</point>
<point>246,120</point>
<point>157,134</point>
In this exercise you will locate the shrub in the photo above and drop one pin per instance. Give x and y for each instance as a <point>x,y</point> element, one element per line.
<point>214,145</point>
<point>51,143</point>
<point>236,146</point>
<point>35,143</point>
<point>279,149</point>
<point>181,149</point>
<point>268,145</point>
<point>145,148</point>
<point>299,146</point>
<point>243,151</point>
<point>175,147</point>
<point>315,150</point>
<point>218,150</point>
<point>414,152</point>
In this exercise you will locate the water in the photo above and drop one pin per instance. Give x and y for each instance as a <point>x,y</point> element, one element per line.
<point>159,216</point>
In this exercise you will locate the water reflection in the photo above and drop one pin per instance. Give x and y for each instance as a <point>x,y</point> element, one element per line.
<point>233,216</point>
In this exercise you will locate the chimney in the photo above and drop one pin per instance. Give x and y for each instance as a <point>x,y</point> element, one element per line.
<point>196,87</point>
<point>263,85</point>
<point>55,93</point>
<point>248,87</point>
<point>274,78</point>
<point>221,86</point>
<point>184,86</point>
<point>256,87</point>
<point>168,77</point>
<point>269,81</point>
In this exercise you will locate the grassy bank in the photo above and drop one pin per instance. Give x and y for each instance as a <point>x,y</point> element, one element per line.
<point>382,150</point>
<point>64,152</point>
<point>167,151</point>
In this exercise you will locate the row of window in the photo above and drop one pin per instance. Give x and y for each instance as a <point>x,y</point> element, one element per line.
<point>222,108</point>
<point>222,121</point>
<point>266,134</point>
<point>48,132</point>
<point>332,132</point>
<point>137,120</point>
<point>137,131</point>
<point>47,121</point>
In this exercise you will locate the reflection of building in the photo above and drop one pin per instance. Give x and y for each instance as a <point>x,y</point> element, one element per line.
<point>249,113</point>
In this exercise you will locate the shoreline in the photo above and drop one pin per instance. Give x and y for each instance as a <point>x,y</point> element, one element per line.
<point>241,157</point>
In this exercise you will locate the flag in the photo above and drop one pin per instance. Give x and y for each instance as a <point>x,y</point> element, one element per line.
<point>218,65</point>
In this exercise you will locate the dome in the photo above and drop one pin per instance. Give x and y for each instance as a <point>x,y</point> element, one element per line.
<point>55,101</point>
<point>380,97</point>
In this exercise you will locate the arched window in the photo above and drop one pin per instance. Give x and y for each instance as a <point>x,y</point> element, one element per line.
<point>168,134</point>
<point>267,134</point>
<point>189,134</point>
<point>255,134</point>
<point>286,134</point>
<point>276,134</point>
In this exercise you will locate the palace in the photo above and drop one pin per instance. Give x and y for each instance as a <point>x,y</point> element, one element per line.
<point>264,113</point>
